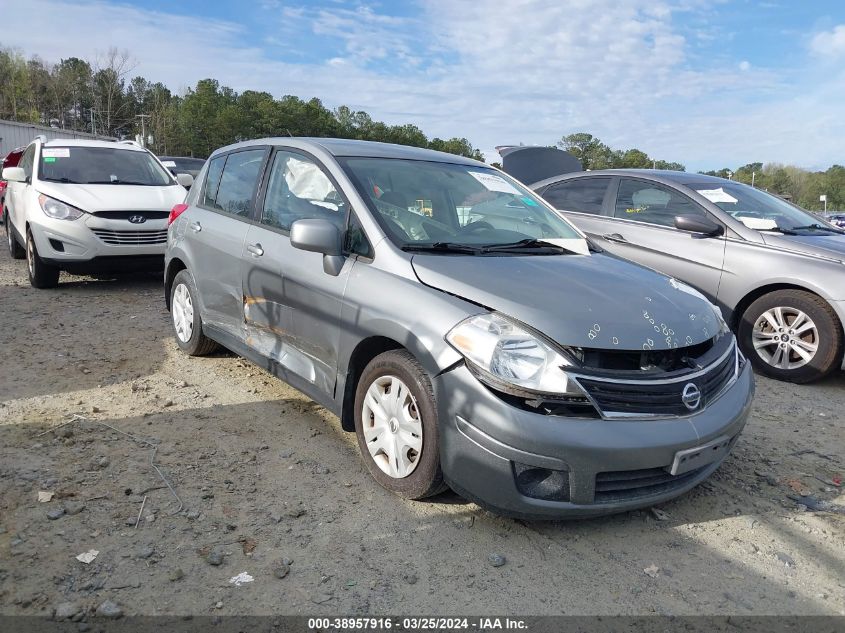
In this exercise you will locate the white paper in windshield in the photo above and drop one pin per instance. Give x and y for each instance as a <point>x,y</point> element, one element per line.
<point>717,195</point>
<point>169,163</point>
<point>55,152</point>
<point>493,182</point>
<point>758,224</point>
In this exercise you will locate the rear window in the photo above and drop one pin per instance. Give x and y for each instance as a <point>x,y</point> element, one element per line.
<point>101,166</point>
<point>584,195</point>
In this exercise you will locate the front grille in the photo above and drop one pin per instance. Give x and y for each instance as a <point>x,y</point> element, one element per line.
<point>125,215</point>
<point>627,485</point>
<point>131,238</point>
<point>631,397</point>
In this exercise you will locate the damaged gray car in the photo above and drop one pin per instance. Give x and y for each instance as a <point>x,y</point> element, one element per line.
<point>468,334</point>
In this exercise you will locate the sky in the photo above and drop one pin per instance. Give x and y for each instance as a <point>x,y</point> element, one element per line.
<point>708,83</point>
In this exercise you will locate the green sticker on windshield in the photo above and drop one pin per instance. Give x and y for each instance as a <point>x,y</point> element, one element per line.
<point>528,201</point>
<point>49,159</point>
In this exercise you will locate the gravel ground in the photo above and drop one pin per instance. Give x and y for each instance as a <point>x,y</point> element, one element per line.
<point>273,490</point>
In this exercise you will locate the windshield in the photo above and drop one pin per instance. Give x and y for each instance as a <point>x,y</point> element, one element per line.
<point>762,211</point>
<point>101,165</point>
<point>421,203</point>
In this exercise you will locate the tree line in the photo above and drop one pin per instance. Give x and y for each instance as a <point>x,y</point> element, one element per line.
<point>103,97</point>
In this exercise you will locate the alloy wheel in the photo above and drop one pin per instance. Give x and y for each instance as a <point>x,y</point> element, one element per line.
<point>785,337</point>
<point>392,426</point>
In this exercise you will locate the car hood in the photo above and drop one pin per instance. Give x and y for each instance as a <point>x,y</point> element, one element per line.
<point>592,301</point>
<point>94,198</point>
<point>824,245</point>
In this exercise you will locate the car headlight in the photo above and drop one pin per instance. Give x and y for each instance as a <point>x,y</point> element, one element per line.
<point>58,210</point>
<point>508,355</point>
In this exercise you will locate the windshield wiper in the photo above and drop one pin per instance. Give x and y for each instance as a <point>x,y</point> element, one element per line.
<point>63,180</point>
<point>117,181</point>
<point>779,229</point>
<point>818,227</point>
<point>525,245</point>
<point>444,247</point>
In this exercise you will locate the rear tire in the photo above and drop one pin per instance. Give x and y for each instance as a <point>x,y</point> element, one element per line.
<point>185,317</point>
<point>791,335</point>
<point>41,274</point>
<point>15,249</point>
<point>407,420</point>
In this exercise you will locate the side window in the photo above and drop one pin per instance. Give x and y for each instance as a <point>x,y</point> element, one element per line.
<point>238,181</point>
<point>212,182</point>
<point>651,203</point>
<point>356,240</point>
<point>27,161</point>
<point>581,194</point>
<point>298,189</point>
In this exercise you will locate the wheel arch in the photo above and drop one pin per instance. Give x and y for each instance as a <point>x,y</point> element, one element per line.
<point>173,267</point>
<point>365,351</point>
<point>752,296</point>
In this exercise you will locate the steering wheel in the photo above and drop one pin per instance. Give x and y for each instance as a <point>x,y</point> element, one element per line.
<point>476,226</point>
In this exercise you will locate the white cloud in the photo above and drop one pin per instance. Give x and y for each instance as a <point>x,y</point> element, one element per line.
<point>495,72</point>
<point>829,44</point>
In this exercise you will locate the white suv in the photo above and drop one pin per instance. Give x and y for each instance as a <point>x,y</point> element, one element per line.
<point>88,207</point>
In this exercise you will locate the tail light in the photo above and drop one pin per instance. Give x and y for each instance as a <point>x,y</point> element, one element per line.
<point>175,212</point>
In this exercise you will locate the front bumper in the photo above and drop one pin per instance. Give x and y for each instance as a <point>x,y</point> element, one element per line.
<point>485,441</point>
<point>68,242</point>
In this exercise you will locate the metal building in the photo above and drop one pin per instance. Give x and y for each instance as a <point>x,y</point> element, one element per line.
<point>13,134</point>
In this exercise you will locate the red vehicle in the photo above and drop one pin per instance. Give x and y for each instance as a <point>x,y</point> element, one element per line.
<point>11,160</point>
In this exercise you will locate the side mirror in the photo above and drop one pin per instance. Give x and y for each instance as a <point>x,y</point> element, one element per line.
<point>186,180</point>
<point>698,224</point>
<point>14,174</point>
<point>319,236</point>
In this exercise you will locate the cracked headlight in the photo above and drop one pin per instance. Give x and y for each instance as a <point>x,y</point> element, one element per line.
<point>58,210</point>
<point>507,355</point>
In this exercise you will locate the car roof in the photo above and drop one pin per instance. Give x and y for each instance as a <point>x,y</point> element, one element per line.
<point>348,147</point>
<point>76,142</point>
<point>660,175</point>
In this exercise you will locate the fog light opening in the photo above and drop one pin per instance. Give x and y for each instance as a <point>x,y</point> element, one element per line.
<point>541,483</point>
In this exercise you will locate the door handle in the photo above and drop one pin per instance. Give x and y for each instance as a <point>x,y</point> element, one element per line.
<point>255,250</point>
<point>614,237</point>
<point>196,227</point>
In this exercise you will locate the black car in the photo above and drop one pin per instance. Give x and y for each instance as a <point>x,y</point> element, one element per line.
<point>183,164</point>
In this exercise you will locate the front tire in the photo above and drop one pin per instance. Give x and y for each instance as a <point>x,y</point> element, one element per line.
<point>15,249</point>
<point>185,317</point>
<point>41,274</point>
<point>791,335</point>
<point>396,426</point>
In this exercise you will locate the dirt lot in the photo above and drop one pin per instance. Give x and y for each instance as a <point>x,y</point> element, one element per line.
<point>266,475</point>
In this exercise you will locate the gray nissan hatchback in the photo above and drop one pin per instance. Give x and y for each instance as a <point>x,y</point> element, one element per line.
<point>468,334</point>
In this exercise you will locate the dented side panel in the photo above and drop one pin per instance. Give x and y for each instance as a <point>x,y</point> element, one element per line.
<point>291,308</point>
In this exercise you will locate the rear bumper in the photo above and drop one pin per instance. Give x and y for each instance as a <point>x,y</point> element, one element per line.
<point>609,466</point>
